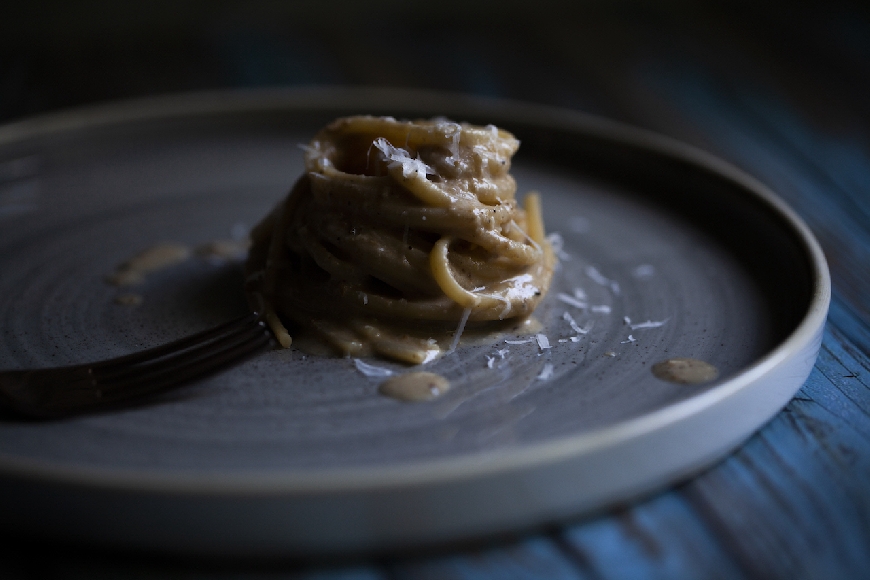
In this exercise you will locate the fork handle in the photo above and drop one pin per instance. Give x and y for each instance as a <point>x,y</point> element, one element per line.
<point>25,392</point>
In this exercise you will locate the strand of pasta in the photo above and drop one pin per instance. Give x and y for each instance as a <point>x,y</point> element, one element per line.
<point>356,257</point>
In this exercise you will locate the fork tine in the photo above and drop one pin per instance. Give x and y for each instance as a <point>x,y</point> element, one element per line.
<point>186,348</point>
<point>65,391</point>
<point>180,344</point>
<point>185,369</point>
<point>206,353</point>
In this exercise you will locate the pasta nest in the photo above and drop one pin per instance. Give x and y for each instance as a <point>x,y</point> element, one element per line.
<point>398,232</point>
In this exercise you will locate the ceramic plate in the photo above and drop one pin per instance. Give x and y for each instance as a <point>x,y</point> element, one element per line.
<point>666,253</point>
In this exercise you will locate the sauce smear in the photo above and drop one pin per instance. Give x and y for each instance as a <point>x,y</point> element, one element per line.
<point>685,371</point>
<point>419,386</point>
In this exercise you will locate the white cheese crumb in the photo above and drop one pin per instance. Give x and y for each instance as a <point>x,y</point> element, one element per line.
<point>500,353</point>
<point>526,341</point>
<point>649,324</point>
<point>596,276</point>
<point>603,309</point>
<point>546,372</point>
<point>399,157</point>
<point>571,301</point>
<point>459,330</point>
<point>602,280</point>
<point>431,355</point>
<point>573,323</point>
<point>630,339</point>
<point>558,245</point>
<point>371,370</point>
<point>543,341</point>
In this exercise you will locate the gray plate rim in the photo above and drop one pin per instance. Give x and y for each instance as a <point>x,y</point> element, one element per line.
<point>251,100</point>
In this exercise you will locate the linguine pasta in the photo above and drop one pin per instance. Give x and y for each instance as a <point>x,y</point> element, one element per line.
<point>399,236</point>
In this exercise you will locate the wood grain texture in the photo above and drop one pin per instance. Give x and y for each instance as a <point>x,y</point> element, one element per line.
<point>780,93</point>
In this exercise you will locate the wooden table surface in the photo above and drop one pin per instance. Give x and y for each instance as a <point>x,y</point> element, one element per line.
<point>782,92</point>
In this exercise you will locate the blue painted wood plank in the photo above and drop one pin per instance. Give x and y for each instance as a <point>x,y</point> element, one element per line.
<point>794,501</point>
<point>848,323</point>
<point>661,538</point>
<point>534,558</point>
<point>843,387</point>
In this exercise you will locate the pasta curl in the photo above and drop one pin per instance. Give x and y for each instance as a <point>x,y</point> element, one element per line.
<point>396,233</point>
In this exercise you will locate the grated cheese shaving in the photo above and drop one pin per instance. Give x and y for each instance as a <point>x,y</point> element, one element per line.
<point>571,301</point>
<point>602,280</point>
<point>648,324</point>
<point>573,323</point>
<point>401,158</point>
<point>558,245</point>
<point>546,372</point>
<point>459,330</point>
<point>371,370</point>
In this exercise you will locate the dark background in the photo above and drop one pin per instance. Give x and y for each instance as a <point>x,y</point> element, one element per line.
<point>779,89</point>
<point>591,55</point>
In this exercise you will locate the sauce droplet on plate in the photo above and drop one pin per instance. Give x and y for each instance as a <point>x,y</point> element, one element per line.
<point>685,371</point>
<point>134,270</point>
<point>419,386</point>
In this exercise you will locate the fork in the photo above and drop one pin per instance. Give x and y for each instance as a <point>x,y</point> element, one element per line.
<point>72,390</point>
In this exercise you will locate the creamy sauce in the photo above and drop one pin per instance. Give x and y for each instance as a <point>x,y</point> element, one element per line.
<point>134,270</point>
<point>417,386</point>
<point>530,325</point>
<point>224,250</point>
<point>685,371</point>
<point>161,256</point>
